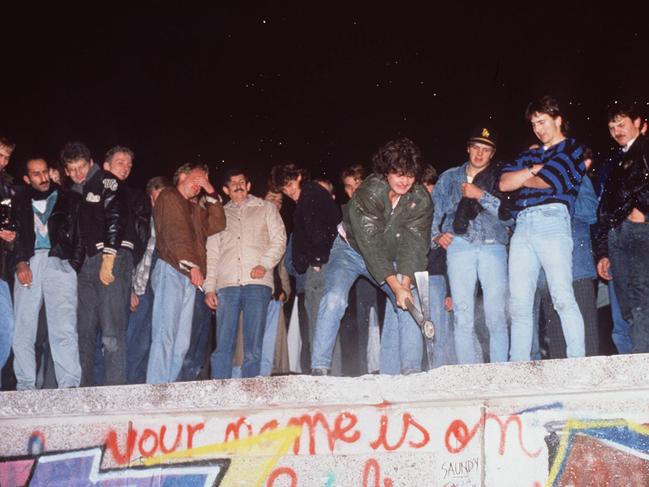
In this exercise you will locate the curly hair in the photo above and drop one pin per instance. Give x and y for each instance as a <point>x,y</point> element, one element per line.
<point>282,174</point>
<point>399,156</point>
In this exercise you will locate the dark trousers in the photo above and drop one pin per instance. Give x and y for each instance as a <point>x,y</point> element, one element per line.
<point>585,296</point>
<point>629,255</point>
<point>303,316</point>
<point>200,343</point>
<point>354,327</point>
<point>104,308</point>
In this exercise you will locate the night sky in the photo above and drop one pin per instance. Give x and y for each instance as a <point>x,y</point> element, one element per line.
<point>319,84</point>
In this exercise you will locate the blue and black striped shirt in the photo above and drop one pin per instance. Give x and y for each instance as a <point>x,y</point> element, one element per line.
<point>563,169</point>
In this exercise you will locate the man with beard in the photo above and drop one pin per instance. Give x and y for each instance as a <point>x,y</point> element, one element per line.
<point>49,254</point>
<point>240,263</point>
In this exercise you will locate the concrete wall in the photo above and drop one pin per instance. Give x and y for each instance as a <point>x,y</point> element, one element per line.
<point>574,422</point>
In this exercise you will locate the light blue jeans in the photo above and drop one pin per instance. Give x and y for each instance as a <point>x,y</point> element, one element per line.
<point>344,267</point>
<point>543,239</point>
<point>442,350</point>
<point>467,263</point>
<point>173,308</point>
<point>54,282</point>
<point>401,341</point>
<point>270,337</point>
<point>6,323</point>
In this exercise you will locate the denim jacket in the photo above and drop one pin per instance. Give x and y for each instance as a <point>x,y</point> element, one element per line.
<point>486,228</point>
<point>583,263</point>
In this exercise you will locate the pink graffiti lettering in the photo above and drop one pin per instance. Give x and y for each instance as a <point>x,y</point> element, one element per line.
<point>462,435</point>
<point>408,421</point>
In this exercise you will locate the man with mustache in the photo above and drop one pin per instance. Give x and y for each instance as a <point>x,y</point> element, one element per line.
<point>240,263</point>
<point>49,253</point>
<point>623,214</point>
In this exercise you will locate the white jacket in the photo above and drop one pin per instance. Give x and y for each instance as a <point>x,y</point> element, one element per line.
<point>254,235</point>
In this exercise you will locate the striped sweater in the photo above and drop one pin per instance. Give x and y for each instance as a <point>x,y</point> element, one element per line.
<point>563,169</point>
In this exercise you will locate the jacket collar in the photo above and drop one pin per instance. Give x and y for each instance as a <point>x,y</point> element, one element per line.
<point>250,200</point>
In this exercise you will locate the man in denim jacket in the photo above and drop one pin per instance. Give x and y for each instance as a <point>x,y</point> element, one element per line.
<point>475,245</point>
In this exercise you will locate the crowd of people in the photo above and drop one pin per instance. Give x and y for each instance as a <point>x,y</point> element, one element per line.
<point>102,283</point>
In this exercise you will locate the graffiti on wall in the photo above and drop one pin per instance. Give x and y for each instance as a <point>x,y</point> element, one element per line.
<point>270,451</point>
<point>250,461</point>
<point>82,467</point>
<point>615,452</point>
<point>178,453</point>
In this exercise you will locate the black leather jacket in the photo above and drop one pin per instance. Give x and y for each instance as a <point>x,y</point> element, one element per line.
<point>103,214</point>
<point>6,248</point>
<point>315,220</point>
<point>138,225</point>
<point>62,226</point>
<point>626,187</point>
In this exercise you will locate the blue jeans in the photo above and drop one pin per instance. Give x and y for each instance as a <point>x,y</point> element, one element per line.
<point>467,263</point>
<point>173,308</point>
<point>442,350</point>
<point>401,340</point>
<point>627,246</point>
<point>543,239</point>
<point>270,337</point>
<point>621,334</point>
<point>138,338</point>
<point>55,283</point>
<point>344,267</point>
<point>6,323</point>
<point>138,333</point>
<point>252,300</point>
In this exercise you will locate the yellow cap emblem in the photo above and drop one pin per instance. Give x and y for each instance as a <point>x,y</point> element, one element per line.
<point>485,133</point>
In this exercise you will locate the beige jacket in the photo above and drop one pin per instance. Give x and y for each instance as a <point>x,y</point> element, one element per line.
<point>254,235</point>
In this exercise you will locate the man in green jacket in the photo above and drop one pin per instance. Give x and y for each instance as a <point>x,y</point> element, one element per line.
<point>385,236</point>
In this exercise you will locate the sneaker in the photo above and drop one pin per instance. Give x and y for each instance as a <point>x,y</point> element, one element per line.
<point>319,371</point>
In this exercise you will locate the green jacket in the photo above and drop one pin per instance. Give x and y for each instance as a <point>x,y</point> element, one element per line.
<point>384,236</point>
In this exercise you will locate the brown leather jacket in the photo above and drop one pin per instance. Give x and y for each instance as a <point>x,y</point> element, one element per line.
<point>182,228</point>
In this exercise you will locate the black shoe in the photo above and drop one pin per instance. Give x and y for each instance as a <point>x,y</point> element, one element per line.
<point>319,371</point>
